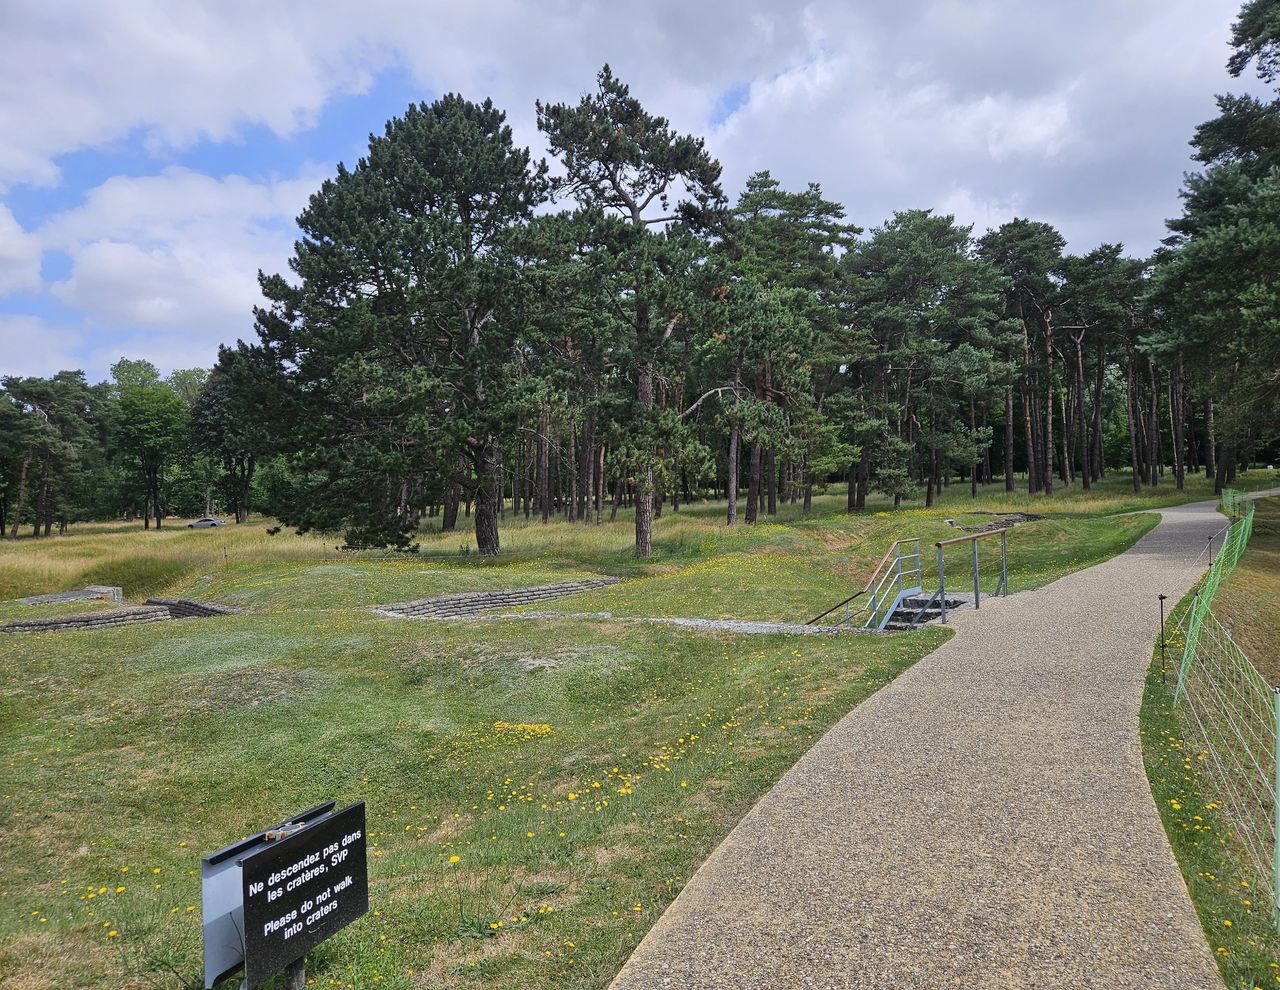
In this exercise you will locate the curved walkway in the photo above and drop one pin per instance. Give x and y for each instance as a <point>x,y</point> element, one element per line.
<point>982,822</point>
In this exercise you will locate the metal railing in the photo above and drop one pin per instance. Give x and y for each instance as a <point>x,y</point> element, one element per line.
<point>900,576</point>
<point>895,584</point>
<point>1002,586</point>
<point>889,583</point>
<point>1233,714</point>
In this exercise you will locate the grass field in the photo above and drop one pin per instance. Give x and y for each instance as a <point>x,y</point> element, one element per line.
<point>578,771</point>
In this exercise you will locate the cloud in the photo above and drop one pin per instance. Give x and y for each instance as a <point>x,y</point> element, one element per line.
<point>90,74</point>
<point>19,256</point>
<point>31,346</point>
<point>176,254</point>
<point>1074,113</point>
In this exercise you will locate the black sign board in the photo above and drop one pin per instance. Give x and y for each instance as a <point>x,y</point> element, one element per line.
<point>301,889</point>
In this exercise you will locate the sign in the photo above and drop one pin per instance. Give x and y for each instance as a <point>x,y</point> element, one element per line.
<point>274,897</point>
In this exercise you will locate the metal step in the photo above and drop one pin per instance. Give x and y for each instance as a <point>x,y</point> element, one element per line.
<point>909,608</point>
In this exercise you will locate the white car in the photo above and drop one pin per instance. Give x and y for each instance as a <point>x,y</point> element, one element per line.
<point>206,523</point>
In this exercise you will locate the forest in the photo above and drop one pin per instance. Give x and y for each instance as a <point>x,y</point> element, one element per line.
<point>466,331</point>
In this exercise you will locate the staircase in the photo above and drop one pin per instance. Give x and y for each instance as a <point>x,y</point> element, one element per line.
<point>894,598</point>
<point>897,577</point>
<point>916,610</point>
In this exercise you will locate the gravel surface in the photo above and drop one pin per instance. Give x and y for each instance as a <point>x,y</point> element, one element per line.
<point>715,625</point>
<point>982,822</point>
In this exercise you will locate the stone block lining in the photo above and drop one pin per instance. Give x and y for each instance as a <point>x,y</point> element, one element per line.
<point>470,602</point>
<point>155,610</point>
<point>189,608</point>
<point>94,620</point>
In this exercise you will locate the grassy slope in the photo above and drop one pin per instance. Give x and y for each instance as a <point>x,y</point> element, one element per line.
<point>14,610</point>
<point>136,749</point>
<point>633,751</point>
<point>1249,602</point>
<point>1238,926</point>
<point>151,562</point>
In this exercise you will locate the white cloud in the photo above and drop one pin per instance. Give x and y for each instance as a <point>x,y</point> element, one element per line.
<point>87,74</point>
<point>1076,113</point>
<point>176,253</point>
<point>30,346</point>
<point>19,256</point>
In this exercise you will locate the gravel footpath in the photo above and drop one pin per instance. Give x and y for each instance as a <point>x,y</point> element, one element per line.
<point>743,626</point>
<point>983,821</point>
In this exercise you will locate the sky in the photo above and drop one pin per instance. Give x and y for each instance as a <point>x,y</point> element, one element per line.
<point>154,153</point>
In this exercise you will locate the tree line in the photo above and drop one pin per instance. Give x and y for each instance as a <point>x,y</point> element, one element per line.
<point>466,330</point>
<point>137,446</point>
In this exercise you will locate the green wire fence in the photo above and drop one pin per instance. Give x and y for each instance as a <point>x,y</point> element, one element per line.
<point>1234,712</point>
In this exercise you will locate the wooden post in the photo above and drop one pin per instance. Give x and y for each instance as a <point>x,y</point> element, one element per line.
<point>295,975</point>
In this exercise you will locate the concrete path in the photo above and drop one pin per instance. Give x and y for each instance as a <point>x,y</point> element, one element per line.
<point>982,822</point>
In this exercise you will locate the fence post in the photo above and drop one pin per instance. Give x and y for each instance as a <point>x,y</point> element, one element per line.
<point>1275,820</point>
<point>977,589</point>
<point>942,588</point>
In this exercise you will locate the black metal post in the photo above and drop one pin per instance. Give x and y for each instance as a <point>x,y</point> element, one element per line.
<point>1163,679</point>
<point>295,975</point>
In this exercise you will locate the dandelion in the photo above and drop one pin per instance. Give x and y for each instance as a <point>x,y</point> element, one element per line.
<point>455,859</point>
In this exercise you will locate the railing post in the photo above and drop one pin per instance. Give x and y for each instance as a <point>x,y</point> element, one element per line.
<point>977,591</point>
<point>1004,562</point>
<point>942,588</point>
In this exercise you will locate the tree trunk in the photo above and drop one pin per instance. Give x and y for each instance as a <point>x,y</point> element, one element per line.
<point>753,485</point>
<point>1033,462</point>
<point>1047,479</point>
<point>771,470</point>
<point>487,496</point>
<point>1008,438</point>
<point>571,506</point>
<point>732,487</point>
<point>1097,458</point>
<point>1128,412</point>
<point>1065,471</point>
<point>973,431</point>
<point>1210,444</point>
<point>544,465</point>
<point>449,521</point>
<point>1085,441</point>
<point>644,477</point>
<point>22,492</point>
<point>1153,458</point>
<point>599,469</point>
<point>588,471</point>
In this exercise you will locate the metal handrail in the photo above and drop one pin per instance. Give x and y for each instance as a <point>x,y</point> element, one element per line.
<point>1002,588</point>
<point>972,536</point>
<point>890,553</point>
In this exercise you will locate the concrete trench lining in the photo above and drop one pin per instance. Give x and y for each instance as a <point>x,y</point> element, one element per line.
<point>466,603</point>
<point>984,821</point>
<point>100,592</point>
